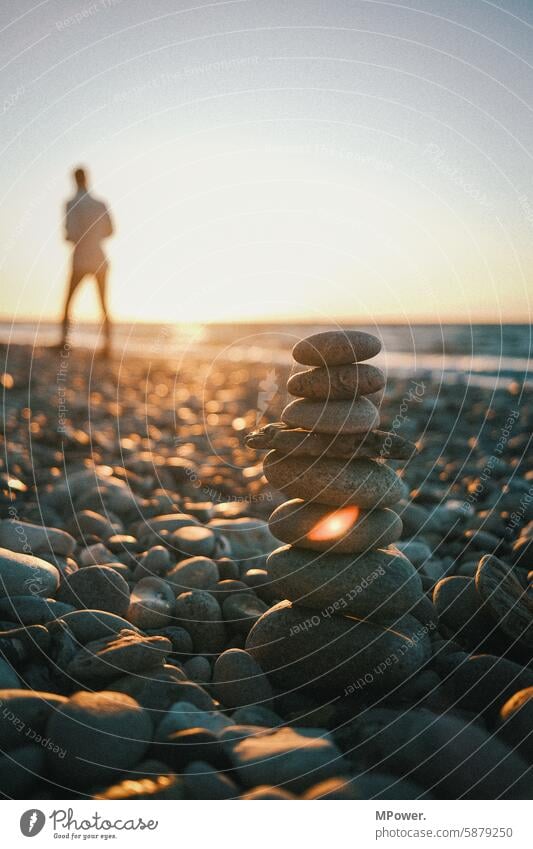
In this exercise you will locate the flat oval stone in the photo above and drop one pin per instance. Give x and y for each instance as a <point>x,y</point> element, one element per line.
<point>101,661</point>
<point>336,347</point>
<point>87,625</point>
<point>23,574</point>
<point>508,600</point>
<point>298,647</point>
<point>32,609</point>
<point>26,537</point>
<point>380,583</point>
<point>336,383</point>
<point>376,443</point>
<point>346,530</point>
<point>356,416</point>
<point>365,483</point>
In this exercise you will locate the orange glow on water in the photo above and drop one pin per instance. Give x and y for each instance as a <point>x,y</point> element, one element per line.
<point>334,525</point>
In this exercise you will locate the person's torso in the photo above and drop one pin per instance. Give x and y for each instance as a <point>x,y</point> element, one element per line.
<point>86,225</point>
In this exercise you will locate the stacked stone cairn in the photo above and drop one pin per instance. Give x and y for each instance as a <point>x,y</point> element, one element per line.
<point>354,615</point>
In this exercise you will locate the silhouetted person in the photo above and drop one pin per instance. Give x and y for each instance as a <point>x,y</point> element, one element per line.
<point>87,224</point>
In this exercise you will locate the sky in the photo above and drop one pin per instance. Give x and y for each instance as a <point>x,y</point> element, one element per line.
<point>264,159</point>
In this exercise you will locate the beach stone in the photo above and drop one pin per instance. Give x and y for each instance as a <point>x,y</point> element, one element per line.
<point>248,537</point>
<point>203,782</point>
<point>166,522</point>
<point>332,417</point>
<point>87,522</point>
<point>380,582</point>
<point>97,555</point>
<point>96,588</point>
<point>516,723</point>
<point>20,769</point>
<point>156,691</point>
<point>192,744</point>
<point>333,788</point>
<point>87,625</point>
<point>443,753</point>
<point>155,562</point>
<point>180,638</point>
<point>223,589</point>
<point>256,715</point>
<point>27,538</point>
<point>484,682</point>
<point>509,601</point>
<point>100,661</point>
<point>336,383</point>
<point>462,612</point>
<point>336,347</point>
<point>121,544</point>
<point>364,483</point>
<point>285,758</point>
<point>347,530</point>
<point>298,647</point>
<point>9,679</point>
<point>158,787</point>
<point>183,715</point>
<point>241,611</point>
<point>267,792</point>
<point>24,574</point>
<point>32,609</point>
<point>417,551</point>
<point>194,540</point>
<point>194,573</point>
<point>238,680</point>
<point>227,569</point>
<point>198,669</point>
<point>200,614</point>
<point>296,442</point>
<point>152,603</point>
<point>24,713</point>
<point>102,734</point>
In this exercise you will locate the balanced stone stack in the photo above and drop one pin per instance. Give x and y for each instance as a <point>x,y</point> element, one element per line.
<point>354,615</point>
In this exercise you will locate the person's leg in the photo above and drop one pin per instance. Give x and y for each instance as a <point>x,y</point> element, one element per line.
<point>101,279</point>
<point>75,280</point>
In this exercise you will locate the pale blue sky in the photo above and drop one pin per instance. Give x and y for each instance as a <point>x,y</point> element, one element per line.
<point>264,158</point>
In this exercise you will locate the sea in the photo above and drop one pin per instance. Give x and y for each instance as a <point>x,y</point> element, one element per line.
<point>490,355</point>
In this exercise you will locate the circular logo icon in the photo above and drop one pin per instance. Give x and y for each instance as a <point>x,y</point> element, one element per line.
<point>32,822</point>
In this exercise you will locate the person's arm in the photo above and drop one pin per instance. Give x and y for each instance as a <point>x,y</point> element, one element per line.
<point>69,229</point>
<point>107,224</point>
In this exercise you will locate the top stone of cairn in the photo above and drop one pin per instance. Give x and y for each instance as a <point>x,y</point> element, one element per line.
<point>336,348</point>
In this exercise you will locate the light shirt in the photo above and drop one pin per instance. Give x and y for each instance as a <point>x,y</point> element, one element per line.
<point>87,224</point>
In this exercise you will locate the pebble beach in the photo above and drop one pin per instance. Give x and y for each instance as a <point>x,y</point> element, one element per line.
<point>134,541</point>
